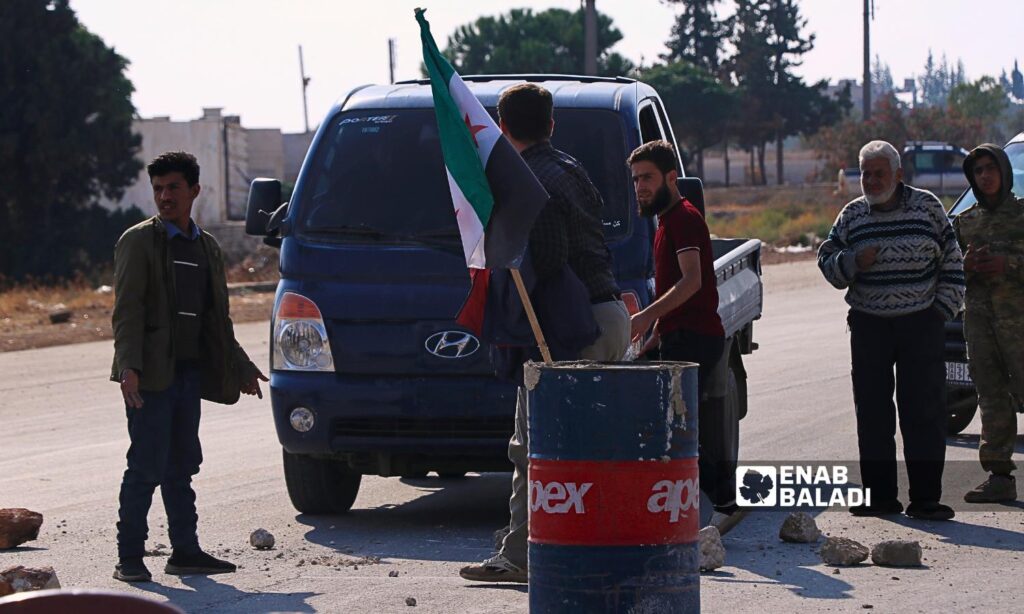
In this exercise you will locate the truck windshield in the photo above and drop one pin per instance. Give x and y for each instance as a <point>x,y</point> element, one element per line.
<point>1015,151</point>
<point>379,176</point>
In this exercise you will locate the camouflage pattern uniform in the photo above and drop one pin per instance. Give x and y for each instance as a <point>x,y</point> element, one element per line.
<point>994,316</point>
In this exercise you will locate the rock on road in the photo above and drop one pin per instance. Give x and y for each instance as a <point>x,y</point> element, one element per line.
<point>64,440</point>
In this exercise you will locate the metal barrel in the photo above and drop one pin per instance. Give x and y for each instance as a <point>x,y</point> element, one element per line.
<point>613,483</point>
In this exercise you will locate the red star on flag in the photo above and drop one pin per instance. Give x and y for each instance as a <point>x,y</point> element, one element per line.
<point>473,129</point>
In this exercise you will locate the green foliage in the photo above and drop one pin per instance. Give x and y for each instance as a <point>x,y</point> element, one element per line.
<point>700,105</point>
<point>697,35</point>
<point>939,79</point>
<point>65,139</point>
<point>983,99</point>
<point>522,41</point>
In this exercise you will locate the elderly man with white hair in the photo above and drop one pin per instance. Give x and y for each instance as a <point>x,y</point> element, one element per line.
<point>894,252</point>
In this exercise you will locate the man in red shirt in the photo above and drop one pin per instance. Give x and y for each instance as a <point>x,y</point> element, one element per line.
<point>685,313</point>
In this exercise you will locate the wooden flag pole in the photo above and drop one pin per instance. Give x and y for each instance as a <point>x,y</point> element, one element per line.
<point>534,324</point>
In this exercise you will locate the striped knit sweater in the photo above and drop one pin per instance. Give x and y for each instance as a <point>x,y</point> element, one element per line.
<point>918,265</point>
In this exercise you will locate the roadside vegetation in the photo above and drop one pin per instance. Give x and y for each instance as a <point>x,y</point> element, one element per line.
<point>780,217</point>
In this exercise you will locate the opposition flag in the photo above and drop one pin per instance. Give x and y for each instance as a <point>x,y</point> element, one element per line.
<point>495,195</point>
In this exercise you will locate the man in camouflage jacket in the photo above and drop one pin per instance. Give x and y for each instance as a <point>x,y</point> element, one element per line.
<point>992,233</point>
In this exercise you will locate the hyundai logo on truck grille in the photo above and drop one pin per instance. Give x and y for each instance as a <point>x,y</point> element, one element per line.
<point>452,344</point>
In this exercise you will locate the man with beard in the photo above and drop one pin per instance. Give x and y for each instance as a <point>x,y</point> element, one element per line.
<point>684,313</point>
<point>993,233</point>
<point>894,251</point>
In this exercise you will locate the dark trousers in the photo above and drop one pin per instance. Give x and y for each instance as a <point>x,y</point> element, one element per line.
<point>164,452</point>
<point>717,434</point>
<point>914,344</point>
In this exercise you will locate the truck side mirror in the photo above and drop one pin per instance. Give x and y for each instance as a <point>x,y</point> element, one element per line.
<point>264,200</point>
<point>692,189</point>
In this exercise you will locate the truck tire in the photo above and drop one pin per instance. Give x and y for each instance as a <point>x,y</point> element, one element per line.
<point>961,405</point>
<point>319,485</point>
<point>736,391</point>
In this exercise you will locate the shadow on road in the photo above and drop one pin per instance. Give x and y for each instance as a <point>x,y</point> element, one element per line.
<point>966,534</point>
<point>796,566</point>
<point>452,520</point>
<point>207,593</point>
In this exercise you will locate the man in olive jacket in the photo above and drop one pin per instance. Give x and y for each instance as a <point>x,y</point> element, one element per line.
<point>173,345</point>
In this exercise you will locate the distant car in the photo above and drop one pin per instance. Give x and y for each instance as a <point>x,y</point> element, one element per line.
<point>961,397</point>
<point>929,165</point>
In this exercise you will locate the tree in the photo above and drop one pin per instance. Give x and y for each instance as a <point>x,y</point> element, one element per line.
<point>700,105</point>
<point>697,35</point>
<point>774,103</point>
<point>65,138</point>
<point>881,77</point>
<point>983,100</point>
<point>522,41</point>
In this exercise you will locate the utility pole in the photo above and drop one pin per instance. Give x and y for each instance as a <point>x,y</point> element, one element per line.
<point>590,38</point>
<point>305,84</point>
<point>391,60</point>
<point>867,60</point>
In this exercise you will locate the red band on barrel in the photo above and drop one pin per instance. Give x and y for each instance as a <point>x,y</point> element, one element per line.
<point>614,503</point>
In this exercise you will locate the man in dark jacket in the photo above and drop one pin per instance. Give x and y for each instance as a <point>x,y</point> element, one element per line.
<point>568,231</point>
<point>992,232</point>
<point>173,345</point>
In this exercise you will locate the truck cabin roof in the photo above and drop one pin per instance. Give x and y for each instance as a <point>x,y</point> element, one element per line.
<point>569,91</point>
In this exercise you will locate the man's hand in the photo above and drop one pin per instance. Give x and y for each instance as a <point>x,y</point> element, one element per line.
<point>981,261</point>
<point>252,385</point>
<point>866,257</point>
<point>971,257</point>
<point>639,324</point>
<point>130,388</point>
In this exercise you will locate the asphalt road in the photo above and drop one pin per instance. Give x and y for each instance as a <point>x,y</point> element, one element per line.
<point>62,453</point>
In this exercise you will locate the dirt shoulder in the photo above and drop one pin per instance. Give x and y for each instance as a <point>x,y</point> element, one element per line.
<point>25,316</point>
<point>29,326</point>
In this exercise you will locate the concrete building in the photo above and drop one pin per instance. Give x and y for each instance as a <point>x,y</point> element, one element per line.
<point>230,156</point>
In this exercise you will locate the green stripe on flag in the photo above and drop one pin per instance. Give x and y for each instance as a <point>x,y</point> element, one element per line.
<point>460,155</point>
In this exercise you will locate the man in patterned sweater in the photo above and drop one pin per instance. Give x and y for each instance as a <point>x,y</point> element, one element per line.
<point>895,253</point>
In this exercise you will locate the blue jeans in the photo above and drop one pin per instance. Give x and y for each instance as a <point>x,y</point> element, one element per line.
<point>164,452</point>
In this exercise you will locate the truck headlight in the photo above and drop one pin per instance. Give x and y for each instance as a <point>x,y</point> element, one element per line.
<point>300,338</point>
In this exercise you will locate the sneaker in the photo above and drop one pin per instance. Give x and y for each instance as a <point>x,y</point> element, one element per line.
<point>725,522</point>
<point>930,510</point>
<point>132,570</point>
<point>495,569</point>
<point>996,489</point>
<point>881,508</point>
<point>197,563</point>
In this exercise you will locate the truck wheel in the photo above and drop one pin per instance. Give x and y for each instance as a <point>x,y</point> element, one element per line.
<point>736,391</point>
<point>961,405</point>
<point>319,485</point>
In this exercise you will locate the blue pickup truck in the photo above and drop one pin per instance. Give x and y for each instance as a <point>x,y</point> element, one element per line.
<point>370,374</point>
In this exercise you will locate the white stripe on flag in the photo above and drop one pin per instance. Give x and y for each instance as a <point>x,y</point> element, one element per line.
<point>470,105</point>
<point>469,226</point>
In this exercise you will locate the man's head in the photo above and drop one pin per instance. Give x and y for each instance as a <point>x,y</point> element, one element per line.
<point>654,169</point>
<point>175,180</point>
<point>988,171</point>
<point>525,114</point>
<point>880,172</point>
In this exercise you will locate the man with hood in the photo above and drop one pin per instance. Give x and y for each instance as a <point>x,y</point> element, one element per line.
<point>992,232</point>
<point>895,253</point>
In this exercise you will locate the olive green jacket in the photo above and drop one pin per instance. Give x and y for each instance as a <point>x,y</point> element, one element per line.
<point>143,318</point>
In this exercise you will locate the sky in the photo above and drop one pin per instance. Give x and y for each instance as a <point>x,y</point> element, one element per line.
<point>242,55</point>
